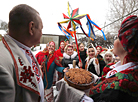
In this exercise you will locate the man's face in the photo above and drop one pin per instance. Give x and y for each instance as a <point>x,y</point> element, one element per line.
<point>37,32</point>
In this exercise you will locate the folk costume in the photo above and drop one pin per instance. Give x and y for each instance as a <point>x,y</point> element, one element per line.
<point>92,64</point>
<point>60,52</point>
<point>20,80</point>
<point>119,83</point>
<point>40,56</point>
<point>50,63</point>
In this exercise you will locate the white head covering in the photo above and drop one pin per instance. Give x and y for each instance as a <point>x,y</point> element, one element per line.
<point>108,52</point>
<point>91,45</point>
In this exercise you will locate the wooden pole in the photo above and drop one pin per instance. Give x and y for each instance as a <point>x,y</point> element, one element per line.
<point>77,46</point>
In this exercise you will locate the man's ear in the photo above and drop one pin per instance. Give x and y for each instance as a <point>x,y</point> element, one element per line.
<point>31,27</point>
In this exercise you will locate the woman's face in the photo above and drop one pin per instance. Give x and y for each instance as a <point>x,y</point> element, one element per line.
<point>91,52</point>
<point>69,51</point>
<point>118,48</point>
<point>51,47</point>
<point>67,42</point>
<point>62,45</point>
<point>81,47</point>
<point>74,46</point>
<point>117,59</point>
<point>98,50</point>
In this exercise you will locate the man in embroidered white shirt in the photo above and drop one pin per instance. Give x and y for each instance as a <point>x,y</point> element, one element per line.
<point>20,75</point>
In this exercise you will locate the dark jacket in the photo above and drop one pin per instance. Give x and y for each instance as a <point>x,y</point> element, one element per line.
<point>101,63</point>
<point>83,56</point>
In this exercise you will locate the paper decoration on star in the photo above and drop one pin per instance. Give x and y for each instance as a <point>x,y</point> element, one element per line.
<point>73,21</point>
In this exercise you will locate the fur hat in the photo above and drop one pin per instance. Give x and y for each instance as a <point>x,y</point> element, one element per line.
<point>109,51</point>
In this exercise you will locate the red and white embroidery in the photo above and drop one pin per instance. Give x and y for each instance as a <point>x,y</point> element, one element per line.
<point>112,72</point>
<point>20,61</point>
<point>26,74</point>
<point>34,65</point>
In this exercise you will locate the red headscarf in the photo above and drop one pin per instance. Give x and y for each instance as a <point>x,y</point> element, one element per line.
<point>100,48</point>
<point>128,36</point>
<point>52,57</point>
<point>58,52</point>
<point>60,44</point>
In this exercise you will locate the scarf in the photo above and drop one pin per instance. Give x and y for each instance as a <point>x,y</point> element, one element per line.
<point>128,36</point>
<point>50,58</point>
<point>118,68</point>
<point>95,63</point>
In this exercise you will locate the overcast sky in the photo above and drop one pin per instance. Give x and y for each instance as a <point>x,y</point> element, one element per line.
<point>51,11</point>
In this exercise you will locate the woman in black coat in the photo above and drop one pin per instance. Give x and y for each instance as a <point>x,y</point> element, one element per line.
<point>83,53</point>
<point>68,56</point>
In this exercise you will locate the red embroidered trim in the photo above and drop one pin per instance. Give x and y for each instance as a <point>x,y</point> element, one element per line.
<point>20,61</point>
<point>16,68</point>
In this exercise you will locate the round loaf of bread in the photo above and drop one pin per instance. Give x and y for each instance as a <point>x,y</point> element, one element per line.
<point>79,78</point>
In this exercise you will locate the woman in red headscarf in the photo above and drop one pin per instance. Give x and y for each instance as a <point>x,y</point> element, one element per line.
<point>60,52</point>
<point>99,49</point>
<point>40,55</point>
<point>120,81</point>
<point>50,62</point>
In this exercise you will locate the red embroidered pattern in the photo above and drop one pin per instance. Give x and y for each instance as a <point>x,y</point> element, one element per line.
<point>35,68</point>
<point>112,72</point>
<point>126,82</point>
<point>26,74</point>
<point>20,61</point>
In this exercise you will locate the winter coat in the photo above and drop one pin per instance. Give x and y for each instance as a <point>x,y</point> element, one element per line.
<point>69,59</point>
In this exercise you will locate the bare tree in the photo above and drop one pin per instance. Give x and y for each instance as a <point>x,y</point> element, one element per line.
<point>118,10</point>
<point>3,25</point>
<point>100,40</point>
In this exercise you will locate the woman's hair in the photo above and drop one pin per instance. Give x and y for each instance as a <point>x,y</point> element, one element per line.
<point>69,45</point>
<point>80,44</point>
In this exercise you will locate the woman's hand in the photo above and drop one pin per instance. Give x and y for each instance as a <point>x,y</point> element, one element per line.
<point>66,69</point>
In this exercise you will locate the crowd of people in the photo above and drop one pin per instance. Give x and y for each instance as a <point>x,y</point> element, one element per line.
<point>25,77</point>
